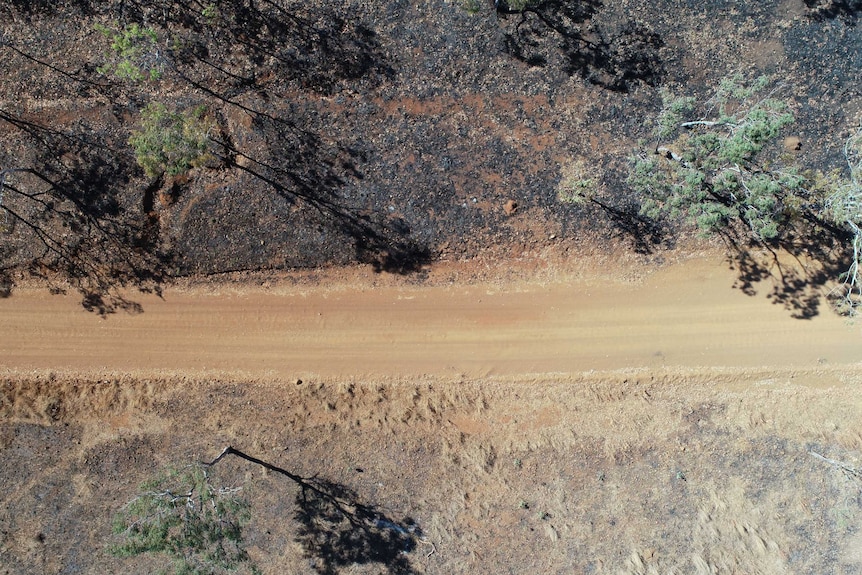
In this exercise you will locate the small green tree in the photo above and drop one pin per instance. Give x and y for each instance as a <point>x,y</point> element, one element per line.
<point>713,167</point>
<point>171,142</point>
<point>181,515</point>
<point>844,208</point>
<point>136,52</point>
<point>577,183</point>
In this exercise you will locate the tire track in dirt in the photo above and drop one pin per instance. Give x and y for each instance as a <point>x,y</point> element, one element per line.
<point>686,315</point>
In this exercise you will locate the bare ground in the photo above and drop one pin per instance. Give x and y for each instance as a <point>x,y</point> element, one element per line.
<point>343,323</point>
<point>581,421</point>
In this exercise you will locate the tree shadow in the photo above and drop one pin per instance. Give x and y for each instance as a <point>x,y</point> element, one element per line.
<point>82,79</point>
<point>301,168</point>
<point>319,51</point>
<point>645,234</point>
<point>798,280</point>
<point>311,45</point>
<point>337,531</point>
<point>28,8</point>
<point>795,270</point>
<point>7,282</point>
<point>847,10</point>
<point>68,219</point>
<point>74,203</point>
<point>615,60</point>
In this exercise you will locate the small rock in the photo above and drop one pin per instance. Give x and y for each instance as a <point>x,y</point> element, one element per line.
<point>510,207</point>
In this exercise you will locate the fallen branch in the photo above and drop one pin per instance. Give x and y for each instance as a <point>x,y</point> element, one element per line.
<point>344,507</point>
<point>848,470</point>
<point>426,542</point>
<point>335,528</point>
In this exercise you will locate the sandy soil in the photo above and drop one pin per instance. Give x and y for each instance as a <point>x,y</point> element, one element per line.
<point>684,315</point>
<point>675,434</point>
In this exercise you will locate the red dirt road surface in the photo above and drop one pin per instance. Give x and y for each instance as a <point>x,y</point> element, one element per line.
<point>684,315</point>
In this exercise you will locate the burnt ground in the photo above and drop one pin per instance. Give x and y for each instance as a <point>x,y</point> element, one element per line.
<point>393,136</point>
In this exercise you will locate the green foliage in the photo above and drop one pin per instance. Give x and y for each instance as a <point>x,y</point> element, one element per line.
<point>136,52</point>
<point>473,6</point>
<point>519,5</point>
<point>577,185</point>
<point>171,142</point>
<point>672,113</point>
<point>845,201</point>
<point>715,169</point>
<point>181,515</point>
<point>719,168</point>
<point>211,13</point>
<point>844,208</point>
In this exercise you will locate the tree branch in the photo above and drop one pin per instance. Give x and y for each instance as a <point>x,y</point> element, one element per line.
<point>303,482</point>
<point>850,471</point>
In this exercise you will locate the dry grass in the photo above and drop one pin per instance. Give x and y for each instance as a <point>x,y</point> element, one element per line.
<point>704,472</point>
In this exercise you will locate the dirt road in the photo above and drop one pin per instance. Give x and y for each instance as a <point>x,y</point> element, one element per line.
<point>683,315</point>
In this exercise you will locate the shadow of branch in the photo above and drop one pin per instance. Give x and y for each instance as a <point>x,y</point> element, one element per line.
<point>67,219</point>
<point>645,234</point>
<point>847,10</point>
<point>301,169</point>
<point>798,268</point>
<point>613,59</point>
<point>311,45</point>
<point>336,530</point>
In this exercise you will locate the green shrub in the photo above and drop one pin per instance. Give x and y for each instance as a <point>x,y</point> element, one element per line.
<point>844,208</point>
<point>136,53</point>
<point>182,516</point>
<point>211,13</point>
<point>716,168</point>
<point>722,167</point>
<point>171,142</point>
<point>473,6</point>
<point>577,185</point>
